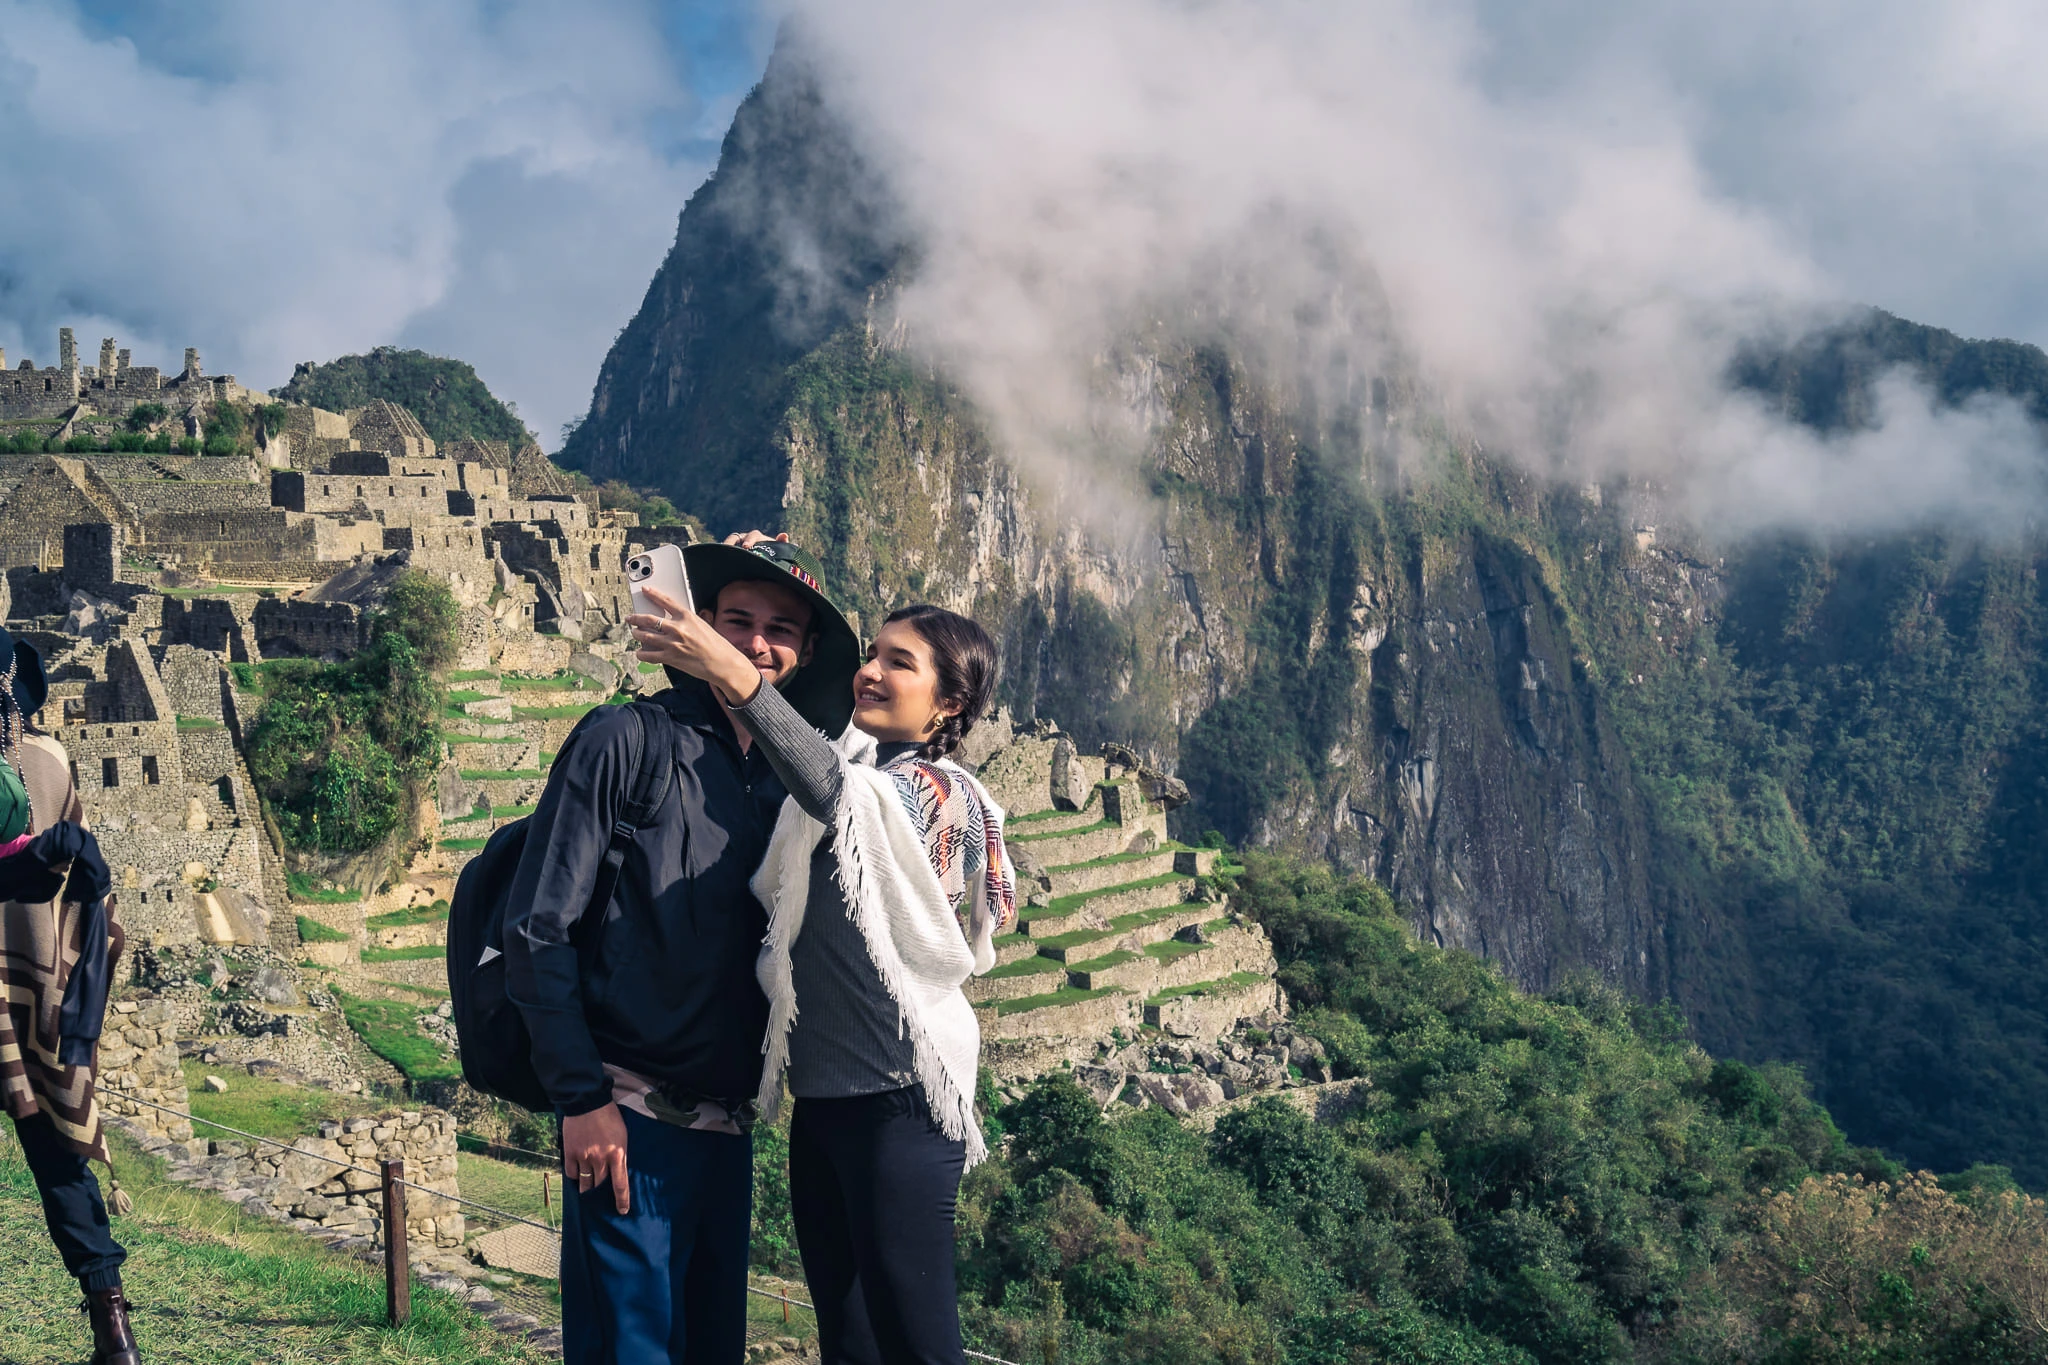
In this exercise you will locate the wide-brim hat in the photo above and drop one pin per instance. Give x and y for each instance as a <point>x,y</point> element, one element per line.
<point>31,687</point>
<point>821,690</point>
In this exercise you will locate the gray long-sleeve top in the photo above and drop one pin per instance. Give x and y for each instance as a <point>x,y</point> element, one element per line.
<point>848,1039</point>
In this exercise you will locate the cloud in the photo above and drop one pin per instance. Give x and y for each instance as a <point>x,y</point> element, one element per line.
<point>1566,243</point>
<point>276,183</point>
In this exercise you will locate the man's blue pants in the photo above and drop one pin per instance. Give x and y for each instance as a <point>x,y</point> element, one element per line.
<point>668,1281</point>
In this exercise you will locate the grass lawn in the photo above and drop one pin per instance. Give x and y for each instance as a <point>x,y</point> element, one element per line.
<point>417,953</point>
<point>399,919</point>
<point>190,723</point>
<point>1072,995</point>
<point>471,675</point>
<point>1032,837</point>
<point>575,709</point>
<point>215,1286</point>
<point>431,992</point>
<point>1067,905</point>
<point>1237,981</point>
<point>304,888</point>
<point>313,931</point>
<point>271,1108</point>
<point>1113,859</point>
<point>561,682</point>
<point>513,1188</point>
<point>460,845</point>
<point>501,774</point>
<point>391,1029</point>
<point>1025,966</point>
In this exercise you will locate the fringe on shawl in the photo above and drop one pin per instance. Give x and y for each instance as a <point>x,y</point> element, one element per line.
<point>857,831</point>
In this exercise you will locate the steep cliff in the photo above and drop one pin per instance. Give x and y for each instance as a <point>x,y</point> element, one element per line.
<point>1781,784</point>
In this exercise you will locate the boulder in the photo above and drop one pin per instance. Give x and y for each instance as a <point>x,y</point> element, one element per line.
<point>1103,1083</point>
<point>303,1168</point>
<point>273,987</point>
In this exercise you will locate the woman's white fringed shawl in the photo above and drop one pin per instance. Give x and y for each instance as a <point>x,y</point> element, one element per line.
<point>912,934</point>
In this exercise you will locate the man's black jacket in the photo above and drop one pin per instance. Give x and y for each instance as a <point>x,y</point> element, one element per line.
<point>665,985</point>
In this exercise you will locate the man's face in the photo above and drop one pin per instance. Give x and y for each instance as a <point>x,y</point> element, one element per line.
<point>768,623</point>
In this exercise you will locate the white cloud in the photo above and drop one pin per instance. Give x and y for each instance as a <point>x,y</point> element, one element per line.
<point>1542,228</point>
<point>293,182</point>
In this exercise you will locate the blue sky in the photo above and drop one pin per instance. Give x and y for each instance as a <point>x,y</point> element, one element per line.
<point>498,179</point>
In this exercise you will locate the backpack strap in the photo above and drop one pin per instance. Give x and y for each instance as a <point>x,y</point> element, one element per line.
<point>651,775</point>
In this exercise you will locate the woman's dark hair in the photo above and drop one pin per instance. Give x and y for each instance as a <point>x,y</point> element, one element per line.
<point>966,661</point>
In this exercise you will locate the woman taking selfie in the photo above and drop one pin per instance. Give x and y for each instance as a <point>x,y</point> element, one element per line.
<point>886,882</point>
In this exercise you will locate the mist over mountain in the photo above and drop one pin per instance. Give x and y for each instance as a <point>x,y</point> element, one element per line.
<point>1685,626</point>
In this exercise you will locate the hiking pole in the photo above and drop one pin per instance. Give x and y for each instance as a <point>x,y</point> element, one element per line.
<point>397,1267</point>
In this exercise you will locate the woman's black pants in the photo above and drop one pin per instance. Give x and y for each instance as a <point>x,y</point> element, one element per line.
<point>873,1185</point>
<point>71,1205</point>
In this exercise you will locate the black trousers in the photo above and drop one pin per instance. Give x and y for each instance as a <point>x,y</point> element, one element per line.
<point>873,1185</point>
<point>71,1205</point>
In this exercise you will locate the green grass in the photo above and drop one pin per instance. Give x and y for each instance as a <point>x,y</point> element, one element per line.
<point>501,774</point>
<point>471,674</point>
<point>1172,949</point>
<point>313,931</point>
<point>1010,822</point>
<point>399,919</point>
<point>417,953</point>
<point>462,845</point>
<point>1095,828</point>
<point>462,696</point>
<point>564,712</point>
<point>390,1029</point>
<point>1067,905</point>
<point>513,1188</point>
<point>1236,981</point>
<point>494,813</point>
<point>186,723</point>
<point>1111,860</point>
<point>270,1108</point>
<point>1122,924</point>
<point>1025,966</point>
<point>1071,995</point>
<point>650,668</point>
<point>305,888</point>
<point>431,992</point>
<point>562,682</point>
<point>213,1285</point>
<point>481,739</point>
<point>1105,962</point>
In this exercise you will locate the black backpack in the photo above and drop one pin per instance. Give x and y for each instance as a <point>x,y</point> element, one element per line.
<point>497,1051</point>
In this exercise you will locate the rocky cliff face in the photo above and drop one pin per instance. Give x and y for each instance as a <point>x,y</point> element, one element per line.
<point>1524,707</point>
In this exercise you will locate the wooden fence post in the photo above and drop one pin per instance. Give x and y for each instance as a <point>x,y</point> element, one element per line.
<point>397,1267</point>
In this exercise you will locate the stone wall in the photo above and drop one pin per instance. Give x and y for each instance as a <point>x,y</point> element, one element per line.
<point>139,1061</point>
<point>194,681</point>
<point>304,1183</point>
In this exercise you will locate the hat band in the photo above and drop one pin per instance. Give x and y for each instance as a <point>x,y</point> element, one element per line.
<point>794,570</point>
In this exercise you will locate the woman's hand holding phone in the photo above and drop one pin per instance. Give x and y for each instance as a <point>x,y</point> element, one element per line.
<point>682,639</point>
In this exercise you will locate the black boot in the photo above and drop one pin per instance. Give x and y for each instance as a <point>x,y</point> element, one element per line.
<point>112,1342</point>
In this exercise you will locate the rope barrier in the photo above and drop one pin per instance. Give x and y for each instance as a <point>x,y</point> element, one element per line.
<point>440,1194</point>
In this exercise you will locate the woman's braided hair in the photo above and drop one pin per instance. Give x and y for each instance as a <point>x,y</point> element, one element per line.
<point>965,659</point>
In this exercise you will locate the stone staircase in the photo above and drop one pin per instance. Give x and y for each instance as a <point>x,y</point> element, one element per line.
<point>1123,930</point>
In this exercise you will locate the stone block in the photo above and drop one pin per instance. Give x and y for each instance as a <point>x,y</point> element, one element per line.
<point>303,1168</point>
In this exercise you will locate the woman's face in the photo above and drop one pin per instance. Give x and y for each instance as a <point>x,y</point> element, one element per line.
<point>896,692</point>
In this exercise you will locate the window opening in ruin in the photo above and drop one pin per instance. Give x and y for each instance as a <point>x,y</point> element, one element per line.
<point>74,772</point>
<point>110,772</point>
<point>227,792</point>
<point>149,772</point>
<point>135,729</point>
<point>593,557</point>
<point>326,490</point>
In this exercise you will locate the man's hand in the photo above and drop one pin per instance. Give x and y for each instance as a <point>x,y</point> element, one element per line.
<point>747,540</point>
<point>594,1151</point>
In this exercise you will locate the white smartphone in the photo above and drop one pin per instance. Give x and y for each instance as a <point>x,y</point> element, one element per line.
<point>660,568</point>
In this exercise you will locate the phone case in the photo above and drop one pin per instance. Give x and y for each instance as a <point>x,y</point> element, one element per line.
<point>660,568</point>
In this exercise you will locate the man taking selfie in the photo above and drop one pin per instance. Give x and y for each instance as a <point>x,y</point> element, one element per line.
<point>645,1014</point>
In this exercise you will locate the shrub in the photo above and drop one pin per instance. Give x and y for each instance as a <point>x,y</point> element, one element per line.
<point>130,441</point>
<point>79,445</point>
<point>145,415</point>
<point>341,752</point>
<point>191,445</point>
<point>270,418</point>
<point>220,445</point>
<point>159,444</point>
<point>227,420</point>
